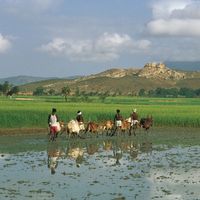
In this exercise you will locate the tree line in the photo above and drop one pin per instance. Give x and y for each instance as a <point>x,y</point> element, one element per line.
<point>171,92</point>
<point>158,92</point>
<point>8,89</point>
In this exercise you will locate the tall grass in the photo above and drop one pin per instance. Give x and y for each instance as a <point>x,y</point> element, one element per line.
<point>165,112</point>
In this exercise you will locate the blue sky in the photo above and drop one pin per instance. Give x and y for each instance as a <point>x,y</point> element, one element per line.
<point>79,37</point>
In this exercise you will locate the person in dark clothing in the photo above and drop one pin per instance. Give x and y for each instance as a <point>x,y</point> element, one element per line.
<point>117,121</point>
<point>118,118</point>
<point>79,119</point>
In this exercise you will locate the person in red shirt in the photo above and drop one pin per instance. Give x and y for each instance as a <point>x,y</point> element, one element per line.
<point>53,124</point>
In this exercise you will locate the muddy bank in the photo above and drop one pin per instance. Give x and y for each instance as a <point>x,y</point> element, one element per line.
<point>33,130</point>
<point>24,131</point>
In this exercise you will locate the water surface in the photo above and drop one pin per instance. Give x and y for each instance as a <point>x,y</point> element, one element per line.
<point>163,164</point>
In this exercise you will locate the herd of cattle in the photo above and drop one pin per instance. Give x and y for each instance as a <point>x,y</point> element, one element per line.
<point>73,128</point>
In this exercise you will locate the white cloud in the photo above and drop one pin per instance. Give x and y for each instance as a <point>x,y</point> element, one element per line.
<point>175,18</point>
<point>5,44</point>
<point>104,48</point>
<point>175,27</point>
<point>163,9</point>
<point>190,11</point>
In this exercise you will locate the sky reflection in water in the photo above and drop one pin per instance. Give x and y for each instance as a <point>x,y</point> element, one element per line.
<point>102,169</point>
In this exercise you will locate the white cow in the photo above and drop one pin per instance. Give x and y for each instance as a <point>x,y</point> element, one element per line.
<point>73,128</point>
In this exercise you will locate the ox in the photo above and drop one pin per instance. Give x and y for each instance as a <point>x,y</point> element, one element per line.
<point>73,128</point>
<point>93,127</point>
<point>146,123</point>
<point>108,126</point>
<point>125,125</point>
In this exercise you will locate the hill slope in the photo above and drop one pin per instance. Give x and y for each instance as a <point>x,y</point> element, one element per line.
<point>124,81</point>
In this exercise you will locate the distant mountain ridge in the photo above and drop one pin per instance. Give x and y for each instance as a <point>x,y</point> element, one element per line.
<point>184,65</point>
<point>21,80</point>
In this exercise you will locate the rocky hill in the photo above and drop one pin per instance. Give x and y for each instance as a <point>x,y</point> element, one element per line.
<point>160,71</point>
<point>124,81</point>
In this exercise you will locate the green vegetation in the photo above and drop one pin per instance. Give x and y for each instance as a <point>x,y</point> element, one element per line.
<point>171,92</point>
<point>8,89</point>
<point>32,112</point>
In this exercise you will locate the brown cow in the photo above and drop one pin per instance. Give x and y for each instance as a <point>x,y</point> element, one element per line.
<point>146,123</point>
<point>125,125</point>
<point>93,127</point>
<point>108,126</point>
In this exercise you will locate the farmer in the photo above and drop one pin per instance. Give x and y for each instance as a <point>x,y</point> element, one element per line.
<point>53,124</point>
<point>117,121</point>
<point>79,119</point>
<point>134,117</point>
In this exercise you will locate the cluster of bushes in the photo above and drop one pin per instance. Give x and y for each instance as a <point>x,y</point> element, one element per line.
<point>8,89</point>
<point>171,92</point>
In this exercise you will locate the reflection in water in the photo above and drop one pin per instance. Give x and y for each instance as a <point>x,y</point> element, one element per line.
<point>53,154</point>
<point>76,154</point>
<point>104,168</point>
<point>52,161</point>
<point>117,152</point>
<point>116,149</point>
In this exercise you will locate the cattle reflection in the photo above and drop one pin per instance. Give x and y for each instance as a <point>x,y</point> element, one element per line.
<point>146,147</point>
<point>122,151</point>
<point>76,154</point>
<point>107,145</point>
<point>92,148</point>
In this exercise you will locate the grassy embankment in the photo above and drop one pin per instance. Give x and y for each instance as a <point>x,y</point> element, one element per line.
<point>32,113</point>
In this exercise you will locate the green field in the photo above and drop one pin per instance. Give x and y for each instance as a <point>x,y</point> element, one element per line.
<point>33,112</point>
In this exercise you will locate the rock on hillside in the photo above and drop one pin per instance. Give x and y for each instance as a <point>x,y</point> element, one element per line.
<point>159,70</point>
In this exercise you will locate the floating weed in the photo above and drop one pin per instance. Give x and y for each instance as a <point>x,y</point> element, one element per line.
<point>135,175</point>
<point>119,198</point>
<point>158,166</point>
<point>167,192</point>
<point>163,177</point>
<point>29,196</point>
<point>10,191</point>
<point>130,167</point>
<point>95,182</point>
<point>23,182</point>
<point>126,178</point>
<point>45,182</point>
<point>40,191</point>
<point>9,164</point>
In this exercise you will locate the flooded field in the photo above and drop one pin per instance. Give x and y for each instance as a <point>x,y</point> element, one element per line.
<point>163,164</point>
